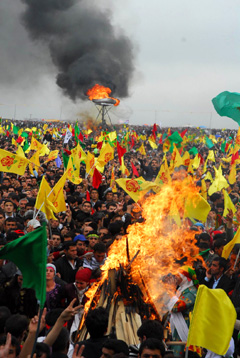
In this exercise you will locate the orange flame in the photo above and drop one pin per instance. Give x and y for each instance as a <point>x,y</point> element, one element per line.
<point>163,246</point>
<point>99,92</point>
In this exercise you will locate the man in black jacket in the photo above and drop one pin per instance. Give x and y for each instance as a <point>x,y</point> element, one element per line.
<point>215,277</point>
<point>68,265</point>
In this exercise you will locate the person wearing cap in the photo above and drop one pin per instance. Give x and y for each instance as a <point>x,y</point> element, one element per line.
<point>81,243</point>
<point>32,225</point>
<point>78,288</point>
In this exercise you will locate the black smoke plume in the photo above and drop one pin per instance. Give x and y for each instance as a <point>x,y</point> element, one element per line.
<point>83,44</point>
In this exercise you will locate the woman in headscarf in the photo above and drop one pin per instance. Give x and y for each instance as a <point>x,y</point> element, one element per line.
<point>181,305</point>
<point>54,290</point>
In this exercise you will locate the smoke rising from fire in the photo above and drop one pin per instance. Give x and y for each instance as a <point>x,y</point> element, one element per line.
<point>83,44</point>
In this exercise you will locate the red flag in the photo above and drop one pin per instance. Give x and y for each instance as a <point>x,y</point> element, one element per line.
<point>160,140</point>
<point>132,142</point>
<point>99,145</point>
<point>134,169</point>
<point>154,130</point>
<point>7,134</point>
<point>67,151</point>
<point>88,196</point>
<point>183,133</point>
<point>73,132</point>
<point>19,140</point>
<point>235,156</point>
<point>97,179</point>
<point>121,151</point>
<point>201,159</point>
<point>80,137</point>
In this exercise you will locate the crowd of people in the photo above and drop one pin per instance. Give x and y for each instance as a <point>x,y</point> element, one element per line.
<point>80,237</point>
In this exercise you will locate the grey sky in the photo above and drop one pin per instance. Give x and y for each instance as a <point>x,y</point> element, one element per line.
<point>187,52</point>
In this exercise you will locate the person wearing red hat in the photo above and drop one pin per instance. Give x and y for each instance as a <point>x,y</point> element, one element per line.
<point>78,288</point>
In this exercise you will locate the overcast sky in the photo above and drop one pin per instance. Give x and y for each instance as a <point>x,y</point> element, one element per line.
<point>186,52</point>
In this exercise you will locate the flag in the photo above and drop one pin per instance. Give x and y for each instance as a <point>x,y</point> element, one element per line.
<point>136,188</point>
<point>58,162</point>
<point>219,182</point>
<point>44,187</point>
<point>121,151</point>
<point>213,320</point>
<point>35,145</point>
<point>208,142</point>
<point>90,161</point>
<point>68,136</point>
<point>163,174</point>
<point>106,154</point>
<point>112,182</point>
<point>230,245</point>
<point>72,173</point>
<point>34,161</point>
<point>232,175</point>
<point>152,144</point>
<point>196,207</point>
<point>134,170</point>
<point>29,253</point>
<point>174,213</point>
<point>65,160</point>
<point>52,155</point>
<point>193,151</point>
<point>97,179</point>
<point>12,163</point>
<point>228,204</point>
<point>57,196</point>
<point>227,104</point>
<point>124,169</point>
<point>48,208</point>
<point>20,152</point>
<point>141,149</point>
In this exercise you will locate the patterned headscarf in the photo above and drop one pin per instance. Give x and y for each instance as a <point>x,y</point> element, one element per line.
<point>190,273</point>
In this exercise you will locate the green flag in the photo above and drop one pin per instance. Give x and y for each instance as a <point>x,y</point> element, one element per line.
<point>15,129</point>
<point>227,104</point>
<point>65,160</point>
<point>29,253</point>
<point>208,142</point>
<point>193,151</point>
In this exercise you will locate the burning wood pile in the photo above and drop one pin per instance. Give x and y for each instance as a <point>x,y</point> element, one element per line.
<point>131,286</point>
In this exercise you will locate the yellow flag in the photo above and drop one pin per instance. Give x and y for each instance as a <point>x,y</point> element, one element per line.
<point>186,159</point>
<point>52,155</point>
<point>177,161</point>
<point>44,188</point>
<point>57,196</point>
<point>14,142</point>
<point>228,248</point>
<point>20,152</point>
<point>211,156</point>
<point>135,188</point>
<point>228,204</point>
<point>163,174</point>
<point>44,150</point>
<point>219,182</point>
<point>141,149</point>
<point>72,174</point>
<point>106,154</point>
<point>213,320</point>
<point>113,183</point>
<point>112,136</point>
<point>48,208</point>
<point>35,145</point>
<point>196,207</point>
<point>34,161</point>
<point>90,161</point>
<point>203,189</point>
<point>208,176</point>
<point>196,162</point>
<point>123,168</point>
<point>152,144</point>
<point>233,174</point>
<point>12,163</point>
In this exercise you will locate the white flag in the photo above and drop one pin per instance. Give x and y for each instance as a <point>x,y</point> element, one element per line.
<point>68,136</point>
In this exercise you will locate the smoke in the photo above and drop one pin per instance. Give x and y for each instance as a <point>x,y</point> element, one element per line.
<point>84,46</point>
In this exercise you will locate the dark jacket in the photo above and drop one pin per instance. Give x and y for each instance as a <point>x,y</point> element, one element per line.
<point>225,283</point>
<point>65,269</point>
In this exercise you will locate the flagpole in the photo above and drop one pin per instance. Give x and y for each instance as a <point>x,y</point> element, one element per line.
<point>37,332</point>
<point>186,352</point>
<point>235,264</point>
